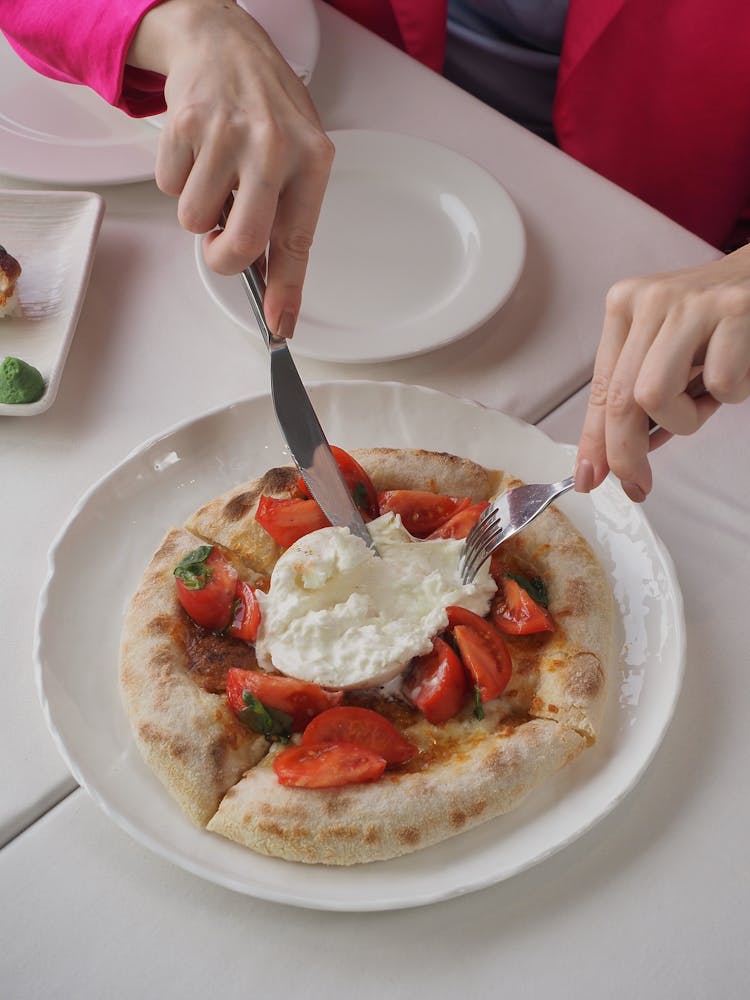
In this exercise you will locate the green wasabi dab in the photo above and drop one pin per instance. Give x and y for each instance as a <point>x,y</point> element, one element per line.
<point>20,382</point>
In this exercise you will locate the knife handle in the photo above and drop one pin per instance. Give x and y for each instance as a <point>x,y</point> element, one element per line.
<point>253,283</point>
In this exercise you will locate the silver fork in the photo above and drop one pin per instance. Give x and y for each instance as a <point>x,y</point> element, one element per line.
<point>505,517</point>
<point>516,508</point>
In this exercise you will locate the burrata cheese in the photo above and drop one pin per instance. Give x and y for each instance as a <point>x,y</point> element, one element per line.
<point>341,616</point>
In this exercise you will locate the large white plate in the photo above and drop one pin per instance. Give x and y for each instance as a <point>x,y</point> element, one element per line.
<point>98,558</point>
<point>53,236</point>
<point>416,246</point>
<point>56,133</point>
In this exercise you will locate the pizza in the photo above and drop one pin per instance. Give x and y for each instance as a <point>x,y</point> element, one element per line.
<point>316,701</point>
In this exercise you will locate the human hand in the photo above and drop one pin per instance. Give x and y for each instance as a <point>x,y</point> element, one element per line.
<point>239,120</point>
<point>658,332</point>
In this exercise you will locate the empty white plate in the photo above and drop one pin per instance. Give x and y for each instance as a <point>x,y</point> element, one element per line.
<point>416,247</point>
<point>57,133</point>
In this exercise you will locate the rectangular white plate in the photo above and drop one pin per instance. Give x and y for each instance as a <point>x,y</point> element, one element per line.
<point>52,234</point>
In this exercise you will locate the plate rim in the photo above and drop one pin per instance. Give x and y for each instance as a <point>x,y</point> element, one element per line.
<point>332,902</point>
<point>213,283</point>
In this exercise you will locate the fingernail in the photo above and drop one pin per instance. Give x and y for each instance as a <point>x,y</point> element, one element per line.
<point>583,477</point>
<point>634,492</point>
<point>286,325</point>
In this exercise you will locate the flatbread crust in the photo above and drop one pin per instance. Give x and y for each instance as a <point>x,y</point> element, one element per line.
<point>468,771</point>
<point>399,813</point>
<point>189,737</point>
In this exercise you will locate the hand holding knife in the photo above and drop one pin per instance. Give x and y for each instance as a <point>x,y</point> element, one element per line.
<point>297,418</point>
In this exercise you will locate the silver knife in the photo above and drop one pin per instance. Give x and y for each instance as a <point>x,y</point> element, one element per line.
<point>298,421</point>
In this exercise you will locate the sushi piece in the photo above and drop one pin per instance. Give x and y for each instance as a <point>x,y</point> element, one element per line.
<point>10,271</point>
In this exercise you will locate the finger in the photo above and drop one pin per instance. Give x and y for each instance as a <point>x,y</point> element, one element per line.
<point>726,368</point>
<point>627,426</point>
<point>291,239</point>
<point>248,227</point>
<point>592,449</point>
<point>174,161</point>
<point>665,373</point>
<point>706,406</point>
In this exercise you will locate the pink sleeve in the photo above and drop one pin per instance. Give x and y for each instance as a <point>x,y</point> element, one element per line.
<point>85,42</point>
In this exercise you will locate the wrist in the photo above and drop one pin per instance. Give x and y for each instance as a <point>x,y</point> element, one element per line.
<point>165,29</point>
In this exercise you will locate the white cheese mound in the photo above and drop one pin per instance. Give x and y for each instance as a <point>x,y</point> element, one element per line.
<point>338,615</point>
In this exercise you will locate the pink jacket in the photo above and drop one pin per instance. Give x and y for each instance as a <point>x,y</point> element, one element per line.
<point>654,96</point>
<point>57,39</point>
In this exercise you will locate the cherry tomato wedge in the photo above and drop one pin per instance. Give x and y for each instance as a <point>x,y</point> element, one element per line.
<point>327,765</point>
<point>436,683</point>
<point>461,523</point>
<point>246,618</point>
<point>515,612</point>
<point>421,512</point>
<point>299,699</point>
<point>206,585</point>
<point>286,521</point>
<point>482,650</point>
<point>355,477</point>
<point>363,726</point>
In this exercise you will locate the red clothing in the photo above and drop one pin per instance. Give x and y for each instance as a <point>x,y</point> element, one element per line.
<point>653,94</point>
<point>417,26</point>
<point>656,97</point>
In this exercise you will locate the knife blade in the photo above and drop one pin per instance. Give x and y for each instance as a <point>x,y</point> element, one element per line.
<point>298,421</point>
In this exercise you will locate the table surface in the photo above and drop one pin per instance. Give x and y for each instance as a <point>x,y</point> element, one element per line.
<point>657,887</point>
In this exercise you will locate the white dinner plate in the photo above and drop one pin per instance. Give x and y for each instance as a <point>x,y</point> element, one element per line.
<point>99,556</point>
<point>58,133</point>
<point>416,246</point>
<point>53,236</point>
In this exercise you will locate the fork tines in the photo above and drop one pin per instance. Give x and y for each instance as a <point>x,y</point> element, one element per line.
<point>485,535</point>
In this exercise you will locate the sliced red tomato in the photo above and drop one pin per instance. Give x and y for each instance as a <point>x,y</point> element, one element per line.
<point>301,700</point>
<point>363,726</point>
<point>246,618</point>
<point>497,567</point>
<point>482,650</point>
<point>328,765</point>
<point>288,520</point>
<point>461,523</point>
<point>436,683</point>
<point>206,585</point>
<point>355,477</point>
<point>421,512</point>
<point>515,611</point>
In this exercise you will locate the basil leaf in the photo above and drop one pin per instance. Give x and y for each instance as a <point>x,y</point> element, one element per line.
<point>478,706</point>
<point>534,587</point>
<point>192,569</point>
<point>359,494</point>
<point>269,722</point>
<point>450,638</point>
